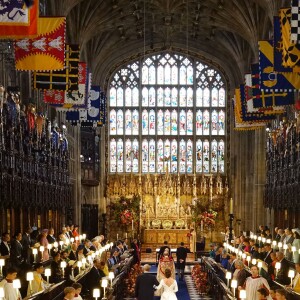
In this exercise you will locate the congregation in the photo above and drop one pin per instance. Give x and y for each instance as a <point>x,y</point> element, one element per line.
<point>259,265</point>
<point>38,260</point>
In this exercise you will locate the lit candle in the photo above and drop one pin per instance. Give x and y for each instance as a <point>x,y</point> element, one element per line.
<point>243,294</point>
<point>117,236</point>
<point>29,277</point>
<point>104,284</point>
<point>111,276</point>
<point>34,252</point>
<point>126,235</point>
<point>2,264</point>
<point>79,265</point>
<point>47,274</point>
<point>231,206</point>
<point>228,277</point>
<point>234,286</point>
<point>96,293</point>
<point>63,265</point>
<point>291,275</point>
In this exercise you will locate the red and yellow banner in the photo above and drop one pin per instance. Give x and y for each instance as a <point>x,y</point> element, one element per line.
<point>46,52</point>
<point>18,21</point>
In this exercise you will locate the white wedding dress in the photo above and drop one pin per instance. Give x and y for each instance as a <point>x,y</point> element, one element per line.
<point>168,291</point>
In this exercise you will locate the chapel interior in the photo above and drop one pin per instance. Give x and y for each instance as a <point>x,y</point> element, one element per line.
<point>168,142</point>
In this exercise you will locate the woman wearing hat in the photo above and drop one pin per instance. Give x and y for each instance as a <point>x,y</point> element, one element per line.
<point>44,242</point>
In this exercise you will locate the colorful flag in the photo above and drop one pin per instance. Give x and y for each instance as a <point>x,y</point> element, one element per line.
<point>269,79</point>
<point>290,50</point>
<point>66,79</point>
<point>94,115</point>
<point>18,21</point>
<point>268,99</point>
<point>46,52</point>
<point>295,21</point>
<point>54,96</point>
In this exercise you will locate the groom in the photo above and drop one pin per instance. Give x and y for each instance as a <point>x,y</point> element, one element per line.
<point>144,285</point>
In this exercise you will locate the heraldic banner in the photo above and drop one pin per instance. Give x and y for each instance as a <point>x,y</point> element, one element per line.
<point>17,21</point>
<point>46,52</point>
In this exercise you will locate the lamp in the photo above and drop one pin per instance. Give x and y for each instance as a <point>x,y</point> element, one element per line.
<point>248,259</point>
<point>63,265</point>
<point>84,236</point>
<point>243,294</point>
<point>29,277</point>
<point>34,252</point>
<point>47,274</point>
<point>277,267</point>
<point>79,265</point>
<point>55,245</point>
<point>42,248</point>
<point>294,249</point>
<point>104,284</point>
<point>255,237</point>
<point>83,262</point>
<point>228,277</point>
<point>17,286</point>
<point>2,264</point>
<point>253,262</point>
<point>291,275</point>
<point>280,245</point>
<point>259,265</point>
<point>96,293</point>
<point>274,243</point>
<point>234,286</point>
<point>263,239</point>
<point>285,247</point>
<point>111,276</point>
<point>72,240</point>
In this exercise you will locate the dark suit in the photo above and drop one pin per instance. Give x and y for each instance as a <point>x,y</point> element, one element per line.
<point>16,251</point>
<point>93,279</point>
<point>73,255</point>
<point>282,274</point>
<point>4,250</point>
<point>144,286</point>
<point>26,243</point>
<point>162,250</point>
<point>181,254</point>
<point>267,257</point>
<point>51,239</point>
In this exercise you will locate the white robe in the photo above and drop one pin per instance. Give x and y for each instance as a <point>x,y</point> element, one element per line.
<point>9,292</point>
<point>254,284</point>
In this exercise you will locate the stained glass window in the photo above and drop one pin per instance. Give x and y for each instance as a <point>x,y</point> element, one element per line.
<point>167,112</point>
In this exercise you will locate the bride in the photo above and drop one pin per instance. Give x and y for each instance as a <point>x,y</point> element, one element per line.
<point>169,286</point>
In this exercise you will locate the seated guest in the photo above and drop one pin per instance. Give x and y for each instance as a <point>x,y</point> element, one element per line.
<point>50,237</point>
<point>268,250</point>
<point>251,243</point>
<point>80,250</point>
<point>281,294</point>
<point>268,234</point>
<point>38,284</point>
<point>75,231</point>
<point>240,274</point>
<point>224,260</point>
<point>101,269</point>
<point>255,252</point>
<point>95,245</point>
<point>105,268</point>
<point>10,293</point>
<point>64,255</point>
<point>73,252</point>
<point>93,277</point>
<point>282,274</point>
<point>114,259</point>
<point>77,287</point>
<point>247,247</point>
<point>87,245</point>
<point>56,273</point>
<point>271,266</point>
<point>69,293</point>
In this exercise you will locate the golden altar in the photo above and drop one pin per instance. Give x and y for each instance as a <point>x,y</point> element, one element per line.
<point>172,236</point>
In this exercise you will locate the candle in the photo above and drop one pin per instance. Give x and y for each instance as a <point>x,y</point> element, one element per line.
<point>277,267</point>
<point>126,235</point>
<point>104,284</point>
<point>291,275</point>
<point>63,264</point>
<point>111,276</point>
<point>231,206</point>
<point>253,261</point>
<point>259,264</point>
<point>117,236</point>
<point>228,277</point>
<point>29,277</point>
<point>234,286</point>
<point>79,265</point>
<point>47,274</point>
<point>132,225</point>
<point>201,226</point>
<point>243,294</point>
<point>96,293</point>
<point>34,252</point>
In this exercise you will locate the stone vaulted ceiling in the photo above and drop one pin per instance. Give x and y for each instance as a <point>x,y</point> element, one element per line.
<point>111,32</point>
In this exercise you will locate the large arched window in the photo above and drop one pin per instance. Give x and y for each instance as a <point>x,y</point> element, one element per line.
<point>167,112</point>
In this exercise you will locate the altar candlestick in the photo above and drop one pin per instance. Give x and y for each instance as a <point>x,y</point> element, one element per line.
<point>201,228</point>
<point>132,225</point>
<point>231,206</point>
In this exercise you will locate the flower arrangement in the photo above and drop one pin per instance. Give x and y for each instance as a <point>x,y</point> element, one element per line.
<point>208,217</point>
<point>130,280</point>
<point>204,216</point>
<point>125,210</point>
<point>200,279</point>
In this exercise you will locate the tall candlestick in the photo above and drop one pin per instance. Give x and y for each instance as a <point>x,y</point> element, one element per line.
<point>231,206</point>
<point>132,225</point>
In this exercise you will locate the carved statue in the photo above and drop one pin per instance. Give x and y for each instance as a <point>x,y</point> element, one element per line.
<point>181,211</point>
<point>203,187</point>
<point>219,185</point>
<point>189,210</point>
